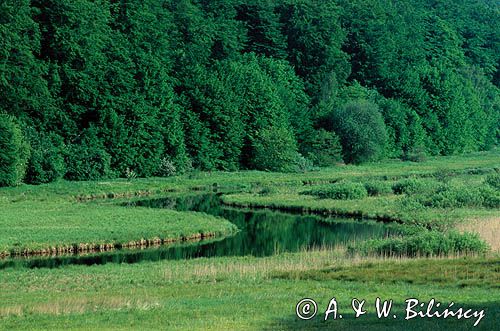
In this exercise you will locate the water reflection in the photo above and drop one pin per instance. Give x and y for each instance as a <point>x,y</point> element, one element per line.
<point>262,233</point>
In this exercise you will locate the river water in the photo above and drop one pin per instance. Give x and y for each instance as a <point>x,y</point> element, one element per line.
<point>261,233</point>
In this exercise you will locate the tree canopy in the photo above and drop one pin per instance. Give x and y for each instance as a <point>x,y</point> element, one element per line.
<point>99,88</point>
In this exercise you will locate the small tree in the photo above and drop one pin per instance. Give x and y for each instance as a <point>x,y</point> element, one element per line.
<point>88,159</point>
<point>324,149</point>
<point>275,149</point>
<point>362,131</point>
<point>46,163</point>
<point>14,152</point>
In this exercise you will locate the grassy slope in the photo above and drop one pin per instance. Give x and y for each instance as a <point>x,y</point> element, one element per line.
<point>243,293</point>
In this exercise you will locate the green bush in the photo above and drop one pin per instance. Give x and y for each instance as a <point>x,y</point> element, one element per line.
<point>410,204</point>
<point>46,163</point>
<point>493,180</point>
<point>167,168</point>
<point>324,149</point>
<point>378,187</point>
<point>362,131</point>
<point>340,191</point>
<point>414,186</point>
<point>267,190</point>
<point>14,152</point>
<point>303,164</point>
<point>426,243</point>
<point>479,171</point>
<point>275,149</point>
<point>416,154</point>
<point>462,197</point>
<point>443,175</point>
<point>88,160</point>
<point>491,197</point>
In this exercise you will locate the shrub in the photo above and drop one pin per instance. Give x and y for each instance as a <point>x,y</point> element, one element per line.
<point>303,164</point>
<point>414,186</point>
<point>275,149</point>
<point>325,149</point>
<point>340,191</point>
<point>88,160</point>
<point>410,204</point>
<point>378,187</point>
<point>416,154</point>
<point>461,197</point>
<point>443,175</point>
<point>167,168</point>
<point>46,163</point>
<point>479,171</point>
<point>130,174</point>
<point>493,180</point>
<point>450,197</point>
<point>491,197</point>
<point>426,243</point>
<point>267,190</point>
<point>14,152</point>
<point>362,131</point>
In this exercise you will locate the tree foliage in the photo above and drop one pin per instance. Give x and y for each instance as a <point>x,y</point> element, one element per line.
<point>362,131</point>
<point>14,152</point>
<point>105,87</point>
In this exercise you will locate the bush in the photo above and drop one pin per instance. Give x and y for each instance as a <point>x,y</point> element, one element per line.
<point>493,180</point>
<point>479,171</point>
<point>416,154</point>
<point>378,187</point>
<point>130,174</point>
<point>88,160</point>
<point>167,168</point>
<point>46,163</point>
<point>443,175</point>
<point>325,149</point>
<point>267,190</point>
<point>340,191</point>
<point>426,243</point>
<point>491,197</point>
<point>14,152</point>
<point>303,164</point>
<point>362,131</point>
<point>461,197</point>
<point>414,186</point>
<point>275,149</point>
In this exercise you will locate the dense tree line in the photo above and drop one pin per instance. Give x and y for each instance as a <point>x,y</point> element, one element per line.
<point>102,88</point>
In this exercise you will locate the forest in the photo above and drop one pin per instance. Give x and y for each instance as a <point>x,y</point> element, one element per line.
<point>93,89</point>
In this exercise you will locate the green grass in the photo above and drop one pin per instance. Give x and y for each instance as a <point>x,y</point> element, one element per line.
<point>239,293</point>
<point>62,214</point>
<point>243,293</point>
<point>460,272</point>
<point>435,199</point>
<point>42,225</point>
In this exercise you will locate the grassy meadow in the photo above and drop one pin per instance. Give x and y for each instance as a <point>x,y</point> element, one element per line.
<point>244,293</point>
<point>435,202</point>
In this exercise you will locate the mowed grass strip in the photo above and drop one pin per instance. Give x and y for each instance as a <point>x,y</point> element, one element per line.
<point>38,226</point>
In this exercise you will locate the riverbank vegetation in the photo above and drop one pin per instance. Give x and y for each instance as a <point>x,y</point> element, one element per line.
<point>66,215</point>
